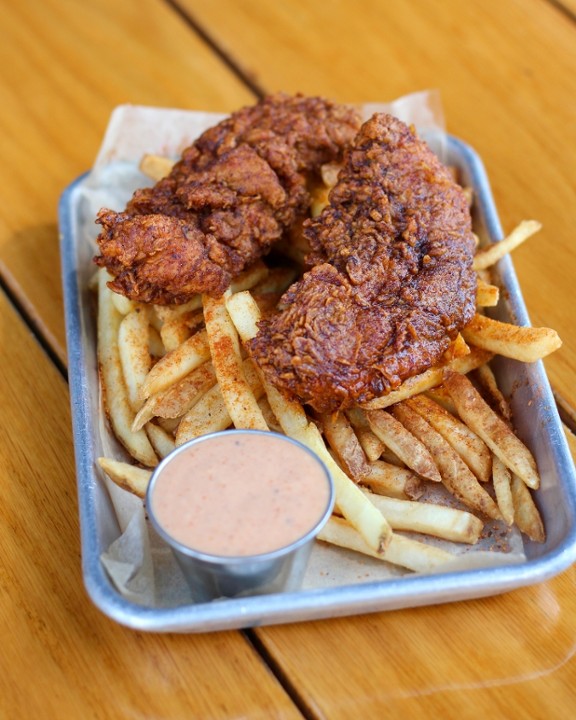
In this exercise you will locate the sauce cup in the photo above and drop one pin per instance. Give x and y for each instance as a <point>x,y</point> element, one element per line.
<point>240,510</point>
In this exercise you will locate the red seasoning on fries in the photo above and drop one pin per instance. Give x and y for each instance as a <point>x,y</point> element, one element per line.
<point>347,358</point>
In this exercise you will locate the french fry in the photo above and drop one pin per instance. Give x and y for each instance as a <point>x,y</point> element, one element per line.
<point>472,449</point>
<point>178,329</point>
<point>386,479</point>
<point>349,498</point>
<point>155,166</point>
<point>166,313</point>
<point>242,406</point>
<point>162,441</point>
<point>455,474</point>
<point>403,443</point>
<point>526,514</point>
<point>526,344</point>
<point>488,256</point>
<point>403,551</point>
<point>176,400</point>
<point>501,480</point>
<point>343,440</point>
<point>134,349</point>
<point>492,392</point>
<point>128,477</point>
<point>430,378</point>
<point>123,304</point>
<point>115,394</point>
<point>486,295</point>
<point>371,444</point>
<point>429,518</point>
<point>177,363</point>
<point>479,416</point>
<point>210,412</point>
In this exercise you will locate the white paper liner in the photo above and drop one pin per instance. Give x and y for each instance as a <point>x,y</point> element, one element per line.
<point>138,562</point>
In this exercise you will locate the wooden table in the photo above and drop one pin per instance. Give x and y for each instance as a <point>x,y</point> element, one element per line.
<point>507,73</point>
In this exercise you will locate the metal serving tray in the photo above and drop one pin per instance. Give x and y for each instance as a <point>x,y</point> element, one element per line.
<point>536,418</point>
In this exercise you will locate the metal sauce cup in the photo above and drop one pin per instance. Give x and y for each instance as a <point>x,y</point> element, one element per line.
<point>213,576</point>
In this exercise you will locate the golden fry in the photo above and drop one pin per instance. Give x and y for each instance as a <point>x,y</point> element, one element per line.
<point>455,474</point>
<point>155,166</point>
<point>386,479</point>
<point>134,349</point>
<point>345,444</point>
<point>224,344</point>
<point>437,520</point>
<point>488,256</point>
<point>526,344</point>
<point>177,363</point>
<point>478,415</point>
<point>128,477</point>
<point>403,443</point>
<point>371,444</point>
<point>526,513</point>
<point>472,449</point>
<point>501,480</point>
<point>115,394</point>
<point>403,551</point>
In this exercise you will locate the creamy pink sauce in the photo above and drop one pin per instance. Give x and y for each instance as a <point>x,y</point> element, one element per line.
<point>240,494</point>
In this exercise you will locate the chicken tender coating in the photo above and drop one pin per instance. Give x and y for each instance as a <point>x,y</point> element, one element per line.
<point>241,186</point>
<point>392,282</point>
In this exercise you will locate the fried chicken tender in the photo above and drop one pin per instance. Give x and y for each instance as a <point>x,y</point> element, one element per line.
<point>236,191</point>
<point>392,282</point>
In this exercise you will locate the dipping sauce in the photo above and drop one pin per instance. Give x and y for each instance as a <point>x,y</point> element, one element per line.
<point>240,493</point>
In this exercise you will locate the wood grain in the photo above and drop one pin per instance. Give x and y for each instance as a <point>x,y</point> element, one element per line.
<point>61,658</point>
<point>65,66</point>
<point>506,71</point>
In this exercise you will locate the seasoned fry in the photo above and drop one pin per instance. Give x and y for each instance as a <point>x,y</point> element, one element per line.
<point>478,415</point>
<point>393,481</point>
<point>349,498</point>
<point>115,394</point>
<point>128,477</point>
<point>526,344</point>
<point>430,379</point>
<point>432,519</point>
<point>371,444</point>
<point>224,344</point>
<point>210,412</point>
<point>403,443</point>
<point>488,256</point>
<point>166,313</point>
<point>486,295</point>
<point>455,474</point>
<point>492,392</point>
<point>401,550</point>
<point>179,328</point>
<point>501,479</point>
<point>177,363</point>
<point>343,440</point>
<point>162,441</point>
<point>472,449</point>
<point>134,349</point>
<point>526,513</point>
<point>177,399</point>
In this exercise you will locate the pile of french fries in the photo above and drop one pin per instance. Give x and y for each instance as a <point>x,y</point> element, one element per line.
<point>173,373</point>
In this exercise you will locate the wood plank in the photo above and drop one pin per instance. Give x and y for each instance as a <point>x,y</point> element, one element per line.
<point>505,656</point>
<point>506,71</point>
<point>66,65</point>
<point>83,664</point>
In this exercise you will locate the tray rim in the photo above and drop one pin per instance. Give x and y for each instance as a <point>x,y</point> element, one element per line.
<point>309,604</point>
